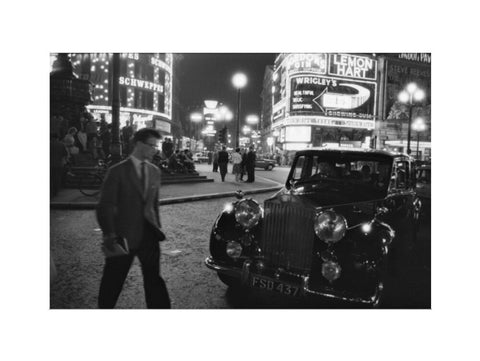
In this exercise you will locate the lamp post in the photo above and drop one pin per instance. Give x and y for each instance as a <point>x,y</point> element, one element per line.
<point>419,126</point>
<point>409,95</point>
<point>239,80</point>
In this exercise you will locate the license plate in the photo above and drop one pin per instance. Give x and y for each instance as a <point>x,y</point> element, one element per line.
<point>275,286</point>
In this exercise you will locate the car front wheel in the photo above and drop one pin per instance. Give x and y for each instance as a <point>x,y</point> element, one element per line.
<point>270,167</point>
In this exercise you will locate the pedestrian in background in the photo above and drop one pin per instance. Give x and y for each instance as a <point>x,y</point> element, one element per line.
<point>250,166</point>
<point>128,210</point>
<point>69,141</point>
<point>215,161</point>
<point>243,165</point>
<point>223,162</point>
<point>237,164</point>
<point>81,137</point>
<point>106,137</point>
<point>210,157</point>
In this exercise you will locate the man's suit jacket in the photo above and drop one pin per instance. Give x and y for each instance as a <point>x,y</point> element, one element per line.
<point>251,157</point>
<point>123,208</point>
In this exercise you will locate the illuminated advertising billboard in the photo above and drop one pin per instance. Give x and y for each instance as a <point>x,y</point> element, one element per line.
<point>332,97</point>
<point>353,66</point>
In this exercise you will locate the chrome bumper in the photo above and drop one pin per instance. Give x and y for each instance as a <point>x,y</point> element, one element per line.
<point>303,282</point>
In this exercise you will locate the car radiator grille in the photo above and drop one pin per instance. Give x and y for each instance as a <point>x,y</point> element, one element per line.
<point>288,236</point>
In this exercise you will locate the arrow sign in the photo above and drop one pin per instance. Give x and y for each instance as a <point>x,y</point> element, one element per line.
<point>342,101</point>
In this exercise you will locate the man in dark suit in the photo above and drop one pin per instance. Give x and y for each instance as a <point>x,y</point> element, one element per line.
<point>250,165</point>
<point>243,165</point>
<point>223,162</point>
<point>128,209</point>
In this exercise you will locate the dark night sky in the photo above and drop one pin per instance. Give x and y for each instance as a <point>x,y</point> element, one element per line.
<point>209,76</point>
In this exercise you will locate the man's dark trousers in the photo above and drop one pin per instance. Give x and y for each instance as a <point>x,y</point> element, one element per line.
<point>251,174</point>
<point>116,270</point>
<point>223,170</point>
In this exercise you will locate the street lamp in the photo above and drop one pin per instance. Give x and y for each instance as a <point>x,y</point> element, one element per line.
<point>239,80</point>
<point>252,119</point>
<point>409,95</point>
<point>419,126</point>
<point>196,118</point>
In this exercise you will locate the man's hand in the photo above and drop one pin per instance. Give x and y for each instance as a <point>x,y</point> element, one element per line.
<point>109,241</point>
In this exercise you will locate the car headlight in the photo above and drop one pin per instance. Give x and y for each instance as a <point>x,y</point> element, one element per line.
<point>330,227</point>
<point>234,249</point>
<point>248,213</point>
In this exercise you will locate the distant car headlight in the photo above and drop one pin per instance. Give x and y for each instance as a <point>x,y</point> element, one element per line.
<point>234,249</point>
<point>248,213</point>
<point>330,227</point>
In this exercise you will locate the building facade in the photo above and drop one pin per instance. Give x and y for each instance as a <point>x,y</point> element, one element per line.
<point>324,99</point>
<point>397,71</point>
<point>146,87</point>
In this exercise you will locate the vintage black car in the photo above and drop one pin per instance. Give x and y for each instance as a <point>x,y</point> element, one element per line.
<point>329,232</point>
<point>264,163</point>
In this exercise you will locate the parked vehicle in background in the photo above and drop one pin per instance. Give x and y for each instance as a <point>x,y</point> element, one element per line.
<point>200,158</point>
<point>329,233</point>
<point>267,164</point>
<point>423,189</point>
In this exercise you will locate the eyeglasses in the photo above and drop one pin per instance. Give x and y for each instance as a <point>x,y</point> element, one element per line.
<point>153,146</point>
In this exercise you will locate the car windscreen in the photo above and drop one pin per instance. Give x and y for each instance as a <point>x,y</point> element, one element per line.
<point>368,174</point>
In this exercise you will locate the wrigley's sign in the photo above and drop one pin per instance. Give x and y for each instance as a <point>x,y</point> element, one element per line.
<point>138,83</point>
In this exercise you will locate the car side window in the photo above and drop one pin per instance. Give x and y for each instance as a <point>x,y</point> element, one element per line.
<point>401,175</point>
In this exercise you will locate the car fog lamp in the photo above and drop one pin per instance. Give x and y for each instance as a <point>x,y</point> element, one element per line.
<point>234,249</point>
<point>330,227</point>
<point>248,213</point>
<point>331,270</point>
<point>260,265</point>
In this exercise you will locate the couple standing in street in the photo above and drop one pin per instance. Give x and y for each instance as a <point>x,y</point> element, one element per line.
<point>128,215</point>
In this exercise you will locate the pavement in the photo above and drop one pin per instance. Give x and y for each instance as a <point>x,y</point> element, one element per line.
<point>179,193</point>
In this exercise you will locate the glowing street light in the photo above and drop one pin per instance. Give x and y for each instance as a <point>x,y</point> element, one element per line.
<point>252,119</point>
<point>409,95</point>
<point>196,117</point>
<point>419,126</point>
<point>239,81</point>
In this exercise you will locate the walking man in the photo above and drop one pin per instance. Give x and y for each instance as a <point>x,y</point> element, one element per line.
<point>223,162</point>
<point>251,158</point>
<point>243,164</point>
<point>128,209</point>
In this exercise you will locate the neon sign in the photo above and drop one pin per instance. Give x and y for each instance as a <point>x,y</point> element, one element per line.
<point>139,83</point>
<point>353,66</point>
<point>157,62</point>
<point>335,97</point>
<point>307,62</point>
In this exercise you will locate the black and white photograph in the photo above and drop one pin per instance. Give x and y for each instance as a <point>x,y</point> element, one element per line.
<point>234,180</point>
<point>252,180</point>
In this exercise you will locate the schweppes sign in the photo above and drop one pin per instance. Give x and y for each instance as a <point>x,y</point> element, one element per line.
<point>139,83</point>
